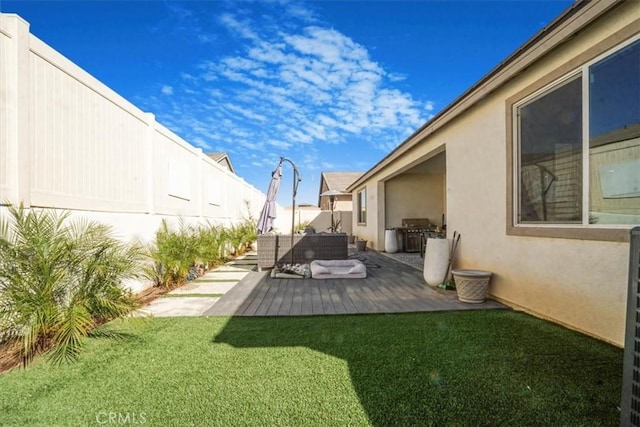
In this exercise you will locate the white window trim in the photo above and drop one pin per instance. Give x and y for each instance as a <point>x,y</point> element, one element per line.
<point>359,205</point>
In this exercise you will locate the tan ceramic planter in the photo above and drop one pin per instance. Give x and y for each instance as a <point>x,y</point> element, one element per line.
<point>472,285</point>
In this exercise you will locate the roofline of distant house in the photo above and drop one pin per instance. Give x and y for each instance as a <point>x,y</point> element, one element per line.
<point>320,190</point>
<point>572,20</point>
<point>323,179</point>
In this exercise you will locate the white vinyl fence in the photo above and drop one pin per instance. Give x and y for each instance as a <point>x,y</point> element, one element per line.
<point>319,219</point>
<point>69,142</point>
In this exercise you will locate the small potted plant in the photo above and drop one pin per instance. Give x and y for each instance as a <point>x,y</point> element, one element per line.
<point>336,225</point>
<point>361,244</point>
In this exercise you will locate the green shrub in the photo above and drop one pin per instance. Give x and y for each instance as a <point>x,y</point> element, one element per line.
<point>249,232</point>
<point>211,245</point>
<point>301,226</point>
<point>241,236</point>
<point>173,253</point>
<point>176,250</point>
<point>58,280</point>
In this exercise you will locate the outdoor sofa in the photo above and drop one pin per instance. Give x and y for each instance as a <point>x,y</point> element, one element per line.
<point>276,249</point>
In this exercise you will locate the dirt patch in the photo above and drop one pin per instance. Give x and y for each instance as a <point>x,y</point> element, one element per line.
<point>9,356</point>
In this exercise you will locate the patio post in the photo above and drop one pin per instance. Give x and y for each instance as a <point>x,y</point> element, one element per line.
<point>296,181</point>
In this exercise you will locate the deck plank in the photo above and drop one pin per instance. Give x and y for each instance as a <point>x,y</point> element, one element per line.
<point>296,303</point>
<point>287,298</point>
<point>390,287</point>
<point>278,297</point>
<point>307,305</point>
<point>336,297</point>
<point>316,298</point>
<point>238,298</point>
<point>341,290</point>
<point>325,297</point>
<point>271,287</point>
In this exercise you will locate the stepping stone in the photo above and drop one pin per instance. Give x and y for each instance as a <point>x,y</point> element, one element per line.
<point>229,276</point>
<point>228,268</point>
<point>243,261</point>
<point>170,307</point>
<point>204,288</point>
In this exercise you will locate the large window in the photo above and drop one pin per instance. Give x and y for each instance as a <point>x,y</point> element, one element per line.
<point>578,146</point>
<point>362,206</point>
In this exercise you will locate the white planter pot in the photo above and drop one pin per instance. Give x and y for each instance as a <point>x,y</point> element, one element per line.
<point>390,241</point>
<point>436,261</point>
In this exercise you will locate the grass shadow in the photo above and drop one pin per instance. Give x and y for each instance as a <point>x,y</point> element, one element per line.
<point>455,368</point>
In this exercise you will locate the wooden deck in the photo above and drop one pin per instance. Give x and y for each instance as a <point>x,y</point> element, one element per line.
<point>391,287</point>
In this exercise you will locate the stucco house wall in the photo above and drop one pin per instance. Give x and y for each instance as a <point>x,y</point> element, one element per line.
<point>401,201</point>
<point>579,282</point>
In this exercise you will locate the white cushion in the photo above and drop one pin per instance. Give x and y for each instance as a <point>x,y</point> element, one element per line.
<point>321,269</point>
<point>358,268</point>
<point>338,269</point>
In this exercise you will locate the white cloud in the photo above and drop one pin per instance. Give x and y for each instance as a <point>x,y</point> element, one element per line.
<point>243,29</point>
<point>201,143</point>
<point>429,106</point>
<point>290,84</point>
<point>327,165</point>
<point>249,114</point>
<point>296,10</point>
<point>396,77</point>
<point>280,144</point>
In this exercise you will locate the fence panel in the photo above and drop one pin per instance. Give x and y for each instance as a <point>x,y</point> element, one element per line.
<point>86,151</point>
<point>5,115</point>
<point>67,141</point>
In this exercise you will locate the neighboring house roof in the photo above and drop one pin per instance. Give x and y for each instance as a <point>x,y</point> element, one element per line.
<point>222,158</point>
<point>336,181</point>
<point>570,22</point>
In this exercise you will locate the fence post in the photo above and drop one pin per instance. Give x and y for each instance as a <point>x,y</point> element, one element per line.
<point>149,164</point>
<point>18,141</point>
<point>630,401</point>
<point>201,187</point>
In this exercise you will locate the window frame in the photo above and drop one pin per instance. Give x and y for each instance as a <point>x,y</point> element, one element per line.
<point>579,66</point>
<point>361,210</point>
<point>565,80</point>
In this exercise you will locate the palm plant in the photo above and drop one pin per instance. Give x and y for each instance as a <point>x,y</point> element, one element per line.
<point>211,247</point>
<point>241,236</point>
<point>249,231</point>
<point>235,238</point>
<point>173,253</point>
<point>301,226</point>
<point>58,280</point>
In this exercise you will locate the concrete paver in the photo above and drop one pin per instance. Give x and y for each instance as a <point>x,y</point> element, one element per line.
<point>218,281</point>
<point>229,268</point>
<point>222,275</point>
<point>204,288</point>
<point>175,306</point>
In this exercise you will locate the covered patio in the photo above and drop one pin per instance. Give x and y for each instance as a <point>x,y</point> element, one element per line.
<point>390,287</point>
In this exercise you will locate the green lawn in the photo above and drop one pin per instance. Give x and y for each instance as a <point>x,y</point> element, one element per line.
<point>449,368</point>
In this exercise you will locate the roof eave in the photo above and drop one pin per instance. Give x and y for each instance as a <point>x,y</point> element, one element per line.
<point>495,78</point>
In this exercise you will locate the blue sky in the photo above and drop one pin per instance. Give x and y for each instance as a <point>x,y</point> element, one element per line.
<point>332,85</point>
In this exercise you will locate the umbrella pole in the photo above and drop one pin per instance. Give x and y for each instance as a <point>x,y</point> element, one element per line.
<point>296,181</point>
<point>331,199</point>
<point>293,211</point>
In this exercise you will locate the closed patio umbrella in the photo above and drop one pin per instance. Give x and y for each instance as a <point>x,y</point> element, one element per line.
<point>268,213</point>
